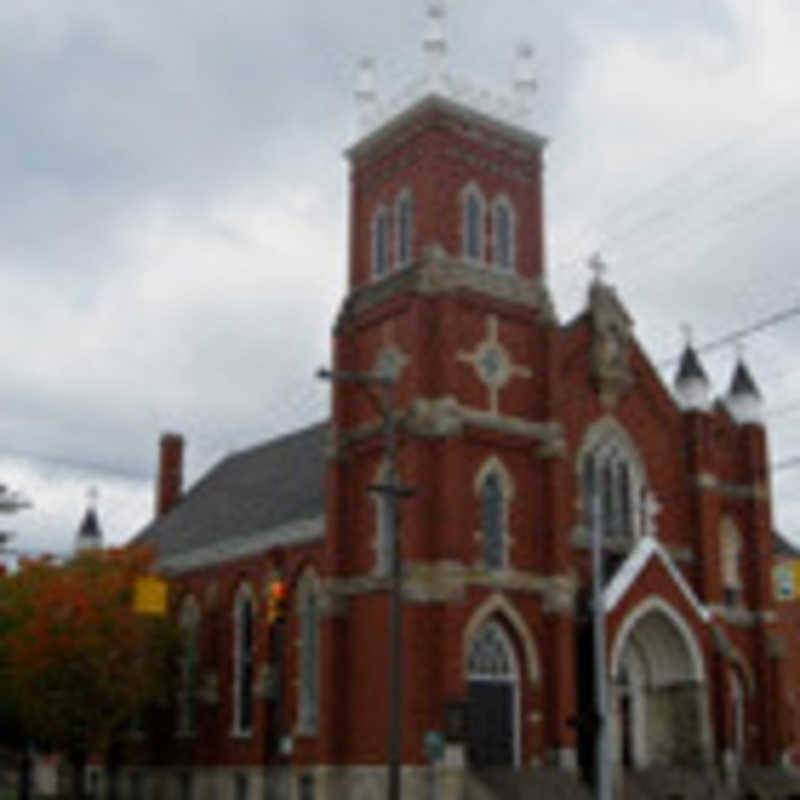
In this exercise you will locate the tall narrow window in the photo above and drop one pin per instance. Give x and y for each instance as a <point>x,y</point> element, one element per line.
<point>309,654</point>
<point>492,508</point>
<point>503,235</point>
<point>243,662</point>
<point>611,490</point>
<point>472,224</point>
<point>730,553</point>
<point>403,228</point>
<point>380,242</point>
<point>189,624</point>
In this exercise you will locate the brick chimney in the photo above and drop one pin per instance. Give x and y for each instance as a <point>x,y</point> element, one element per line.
<point>169,484</point>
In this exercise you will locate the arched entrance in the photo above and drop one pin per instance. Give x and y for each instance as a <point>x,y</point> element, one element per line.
<point>493,685</point>
<point>659,711</point>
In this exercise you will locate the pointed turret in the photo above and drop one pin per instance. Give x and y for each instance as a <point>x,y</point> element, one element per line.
<point>90,534</point>
<point>743,399</point>
<point>692,386</point>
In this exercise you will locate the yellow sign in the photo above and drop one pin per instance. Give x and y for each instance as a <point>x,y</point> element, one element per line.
<point>150,596</point>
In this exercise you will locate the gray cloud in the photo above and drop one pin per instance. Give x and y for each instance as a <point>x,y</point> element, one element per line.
<point>173,224</point>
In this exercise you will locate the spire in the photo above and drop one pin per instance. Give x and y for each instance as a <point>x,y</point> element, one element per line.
<point>366,93</point>
<point>524,82</point>
<point>434,43</point>
<point>438,84</point>
<point>691,381</point>
<point>742,382</point>
<point>743,399</point>
<point>90,535</point>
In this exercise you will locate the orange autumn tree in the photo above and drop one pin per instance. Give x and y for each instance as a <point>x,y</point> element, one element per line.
<point>82,662</point>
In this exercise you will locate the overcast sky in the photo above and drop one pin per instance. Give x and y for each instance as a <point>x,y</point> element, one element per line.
<point>173,210</point>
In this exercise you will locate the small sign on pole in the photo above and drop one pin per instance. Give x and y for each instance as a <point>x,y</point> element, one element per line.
<point>150,596</point>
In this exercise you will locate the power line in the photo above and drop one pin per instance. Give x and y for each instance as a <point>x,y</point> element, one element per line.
<point>739,334</point>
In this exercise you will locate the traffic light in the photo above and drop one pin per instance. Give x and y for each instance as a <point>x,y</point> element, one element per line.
<point>276,602</point>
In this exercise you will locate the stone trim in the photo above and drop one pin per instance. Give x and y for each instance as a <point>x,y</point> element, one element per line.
<point>646,549</point>
<point>443,581</point>
<point>732,491</point>
<point>436,273</point>
<point>445,416</point>
<point>499,605</point>
<point>741,617</point>
<point>292,533</point>
<point>435,102</point>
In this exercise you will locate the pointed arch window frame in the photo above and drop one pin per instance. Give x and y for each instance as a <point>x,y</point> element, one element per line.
<point>403,228</point>
<point>495,471</point>
<point>730,562</point>
<point>611,480</point>
<point>473,230</point>
<point>243,661</point>
<point>189,621</point>
<point>307,609</point>
<point>502,203</point>
<point>381,242</point>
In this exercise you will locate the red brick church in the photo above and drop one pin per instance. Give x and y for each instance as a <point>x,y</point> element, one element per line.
<point>518,437</point>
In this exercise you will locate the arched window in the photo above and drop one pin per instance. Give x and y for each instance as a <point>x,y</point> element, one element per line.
<point>243,660</point>
<point>380,242</point>
<point>492,512</point>
<point>612,489</point>
<point>308,694</point>
<point>472,213</point>
<point>189,624</point>
<point>503,234</point>
<point>494,489</point>
<point>730,543</point>
<point>403,215</point>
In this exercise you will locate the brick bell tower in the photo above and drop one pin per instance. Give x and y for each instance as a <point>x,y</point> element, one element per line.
<point>447,294</point>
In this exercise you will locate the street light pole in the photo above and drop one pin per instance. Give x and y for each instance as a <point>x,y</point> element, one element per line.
<point>384,401</point>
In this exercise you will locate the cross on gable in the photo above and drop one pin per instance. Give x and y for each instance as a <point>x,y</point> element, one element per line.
<point>492,363</point>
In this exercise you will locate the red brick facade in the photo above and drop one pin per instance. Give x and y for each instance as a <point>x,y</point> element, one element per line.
<point>530,420</point>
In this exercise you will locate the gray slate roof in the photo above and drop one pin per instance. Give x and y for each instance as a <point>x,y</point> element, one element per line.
<point>783,547</point>
<point>247,492</point>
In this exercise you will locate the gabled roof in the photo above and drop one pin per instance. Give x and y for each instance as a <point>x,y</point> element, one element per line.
<point>248,492</point>
<point>648,548</point>
<point>690,366</point>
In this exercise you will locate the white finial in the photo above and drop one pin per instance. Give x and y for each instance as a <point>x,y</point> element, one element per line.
<point>434,43</point>
<point>597,266</point>
<point>524,82</point>
<point>688,334</point>
<point>366,94</point>
<point>91,495</point>
<point>739,348</point>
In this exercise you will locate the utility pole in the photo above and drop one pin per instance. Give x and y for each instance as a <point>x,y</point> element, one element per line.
<point>602,749</point>
<point>384,401</point>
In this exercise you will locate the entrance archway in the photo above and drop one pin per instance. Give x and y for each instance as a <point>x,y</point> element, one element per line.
<point>493,685</point>
<point>659,692</point>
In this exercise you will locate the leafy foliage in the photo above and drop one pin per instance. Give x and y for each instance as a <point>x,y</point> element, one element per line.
<point>80,663</point>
